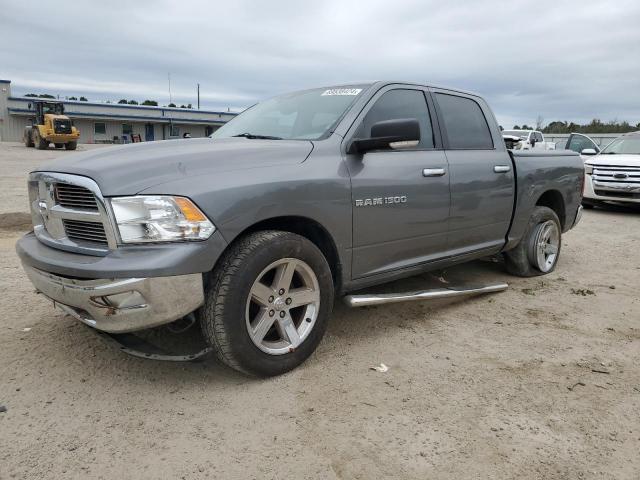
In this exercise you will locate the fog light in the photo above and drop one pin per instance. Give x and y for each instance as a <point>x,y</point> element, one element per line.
<point>120,301</point>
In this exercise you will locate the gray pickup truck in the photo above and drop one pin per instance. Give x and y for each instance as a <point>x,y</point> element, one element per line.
<point>299,199</point>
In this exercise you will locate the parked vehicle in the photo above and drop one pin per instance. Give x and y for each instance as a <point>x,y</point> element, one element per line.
<point>299,199</point>
<point>578,142</point>
<point>50,125</point>
<point>528,140</point>
<point>613,174</point>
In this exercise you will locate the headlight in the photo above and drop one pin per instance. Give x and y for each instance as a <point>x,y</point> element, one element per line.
<point>156,218</point>
<point>588,169</point>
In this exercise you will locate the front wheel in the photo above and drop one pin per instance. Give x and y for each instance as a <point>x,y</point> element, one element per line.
<point>40,143</point>
<point>268,303</point>
<point>71,145</point>
<point>539,249</point>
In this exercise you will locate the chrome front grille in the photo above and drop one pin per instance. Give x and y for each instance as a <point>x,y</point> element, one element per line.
<point>85,231</point>
<point>69,213</point>
<point>75,196</point>
<point>616,181</point>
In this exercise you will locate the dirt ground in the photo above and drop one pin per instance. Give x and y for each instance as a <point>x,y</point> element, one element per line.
<point>540,381</point>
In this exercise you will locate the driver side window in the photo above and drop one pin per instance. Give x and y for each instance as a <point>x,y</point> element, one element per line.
<point>396,105</point>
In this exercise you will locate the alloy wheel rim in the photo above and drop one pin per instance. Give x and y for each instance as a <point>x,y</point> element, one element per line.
<point>546,245</point>
<point>282,306</point>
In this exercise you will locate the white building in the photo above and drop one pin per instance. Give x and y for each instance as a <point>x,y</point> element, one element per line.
<point>109,122</point>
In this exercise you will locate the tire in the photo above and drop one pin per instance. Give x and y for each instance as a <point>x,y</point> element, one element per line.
<point>71,145</point>
<point>28,140</point>
<point>59,145</point>
<point>40,143</point>
<point>244,294</point>
<point>590,204</point>
<point>537,254</point>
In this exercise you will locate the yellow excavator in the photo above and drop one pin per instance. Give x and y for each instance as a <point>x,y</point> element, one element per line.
<point>51,125</point>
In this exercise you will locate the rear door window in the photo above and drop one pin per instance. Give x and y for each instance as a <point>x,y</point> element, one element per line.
<point>465,124</point>
<point>397,105</point>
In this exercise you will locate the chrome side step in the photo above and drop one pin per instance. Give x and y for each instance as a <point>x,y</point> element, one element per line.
<point>436,293</point>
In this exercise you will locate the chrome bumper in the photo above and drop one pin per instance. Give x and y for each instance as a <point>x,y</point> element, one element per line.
<point>122,304</point>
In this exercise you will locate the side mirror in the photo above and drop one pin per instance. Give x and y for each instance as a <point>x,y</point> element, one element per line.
<point>589,151</point>
<point>532,141</point>
<point>400,133</point>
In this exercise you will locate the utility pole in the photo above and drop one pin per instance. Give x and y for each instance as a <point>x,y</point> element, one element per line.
<point>198,96</point>
<point>169,77</point>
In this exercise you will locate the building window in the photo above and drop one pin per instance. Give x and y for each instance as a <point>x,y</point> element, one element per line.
<point>175,131</point>
<point>127,129</point>
<point>99,128</point>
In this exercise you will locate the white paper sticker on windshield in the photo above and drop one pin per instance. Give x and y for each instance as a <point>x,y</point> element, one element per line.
<point>342,91</point>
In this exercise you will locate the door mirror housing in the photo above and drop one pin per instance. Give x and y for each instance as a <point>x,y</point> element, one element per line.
<point>532,141</point>
<point>589,151</point>
<point>388,134</point>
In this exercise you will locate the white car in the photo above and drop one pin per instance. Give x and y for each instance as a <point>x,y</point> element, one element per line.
<point>613,175</point>
<point>527,140</point>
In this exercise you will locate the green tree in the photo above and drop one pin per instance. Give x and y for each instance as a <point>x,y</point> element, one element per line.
<point>595,126</point>
<point>172,105</point>
<point>122,101</point>
<point>150,103</point>
<point>73,98</point>
<point>31,95</point>
<point>83,99</point>
<point>132,102</point>
<point>46,95</point>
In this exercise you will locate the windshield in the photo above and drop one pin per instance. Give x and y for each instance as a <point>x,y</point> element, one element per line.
<point>623,145</point>
<point>516,133</point>
<point>306,115</point>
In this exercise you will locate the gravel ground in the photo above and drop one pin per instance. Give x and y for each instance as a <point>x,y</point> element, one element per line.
<point>541,381</point>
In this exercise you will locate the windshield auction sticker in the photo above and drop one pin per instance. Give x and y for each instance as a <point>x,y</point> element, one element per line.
<point>342,91</point>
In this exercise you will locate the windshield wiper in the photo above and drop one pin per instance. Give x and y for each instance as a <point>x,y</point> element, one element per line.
<point>251,136</point>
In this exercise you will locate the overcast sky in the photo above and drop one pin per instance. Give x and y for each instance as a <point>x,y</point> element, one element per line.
<point>560,59</point>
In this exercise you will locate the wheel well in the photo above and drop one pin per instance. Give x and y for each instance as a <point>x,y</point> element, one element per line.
<point>553,200</point>
<point>311,230</point>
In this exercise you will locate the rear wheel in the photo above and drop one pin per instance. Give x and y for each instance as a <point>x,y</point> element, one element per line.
<point>41,143</point>
<point>268,303</point>
<point>539,249</point>
<point>28,140</point>
<point>71,145</point>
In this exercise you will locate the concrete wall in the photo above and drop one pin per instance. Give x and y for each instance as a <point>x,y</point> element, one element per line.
<point>601,139</point>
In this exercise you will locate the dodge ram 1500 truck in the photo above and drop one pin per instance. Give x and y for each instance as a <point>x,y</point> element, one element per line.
<point>301,198</point>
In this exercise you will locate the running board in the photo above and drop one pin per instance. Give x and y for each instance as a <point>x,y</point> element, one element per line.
<point>436,293</point>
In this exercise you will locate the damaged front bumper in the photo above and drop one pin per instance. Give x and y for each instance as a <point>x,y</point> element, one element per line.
<point>121,304</point>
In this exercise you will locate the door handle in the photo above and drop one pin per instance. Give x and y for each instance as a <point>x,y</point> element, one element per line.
<point>433,172</point>
<point>501,168</point>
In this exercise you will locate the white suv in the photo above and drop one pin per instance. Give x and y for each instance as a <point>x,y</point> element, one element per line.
<point>527,140</point>
<point>613,175</point>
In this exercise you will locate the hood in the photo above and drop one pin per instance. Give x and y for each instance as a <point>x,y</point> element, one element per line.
<point>618,160</point>
<point>128,169</point>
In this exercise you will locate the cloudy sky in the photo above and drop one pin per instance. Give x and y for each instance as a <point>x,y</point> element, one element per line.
<point>560,59</point>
